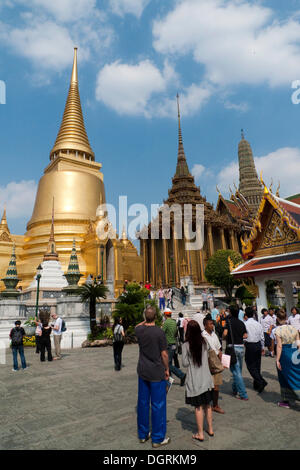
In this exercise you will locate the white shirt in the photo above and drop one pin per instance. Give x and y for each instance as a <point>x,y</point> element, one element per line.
<point>58,322</point>
<point>199,317</point>
<point>255,332</point>
<point>212,340</point>
<point>267,322</point>
<point>294,321</point>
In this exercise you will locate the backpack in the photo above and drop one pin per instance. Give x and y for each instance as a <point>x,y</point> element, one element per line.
<point>63,326</point>
<point>117,333</point>
<point>17,337</point>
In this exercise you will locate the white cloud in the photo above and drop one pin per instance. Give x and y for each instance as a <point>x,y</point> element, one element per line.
<point>283,165</point>
<point>130,89</point>
<point>18,197</point>
<point>46,44</point>
<point>134,7</point>
<point>197,171</point>
<point>65,10</point>
<point>192,99</point>
<point>48,31</point>
<point>238,42</point>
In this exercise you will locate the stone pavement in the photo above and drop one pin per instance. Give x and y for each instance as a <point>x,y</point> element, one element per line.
<point>81,403</point>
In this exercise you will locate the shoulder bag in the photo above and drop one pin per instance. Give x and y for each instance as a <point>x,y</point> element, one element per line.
<point>230,351</point>
<point>215,365</point>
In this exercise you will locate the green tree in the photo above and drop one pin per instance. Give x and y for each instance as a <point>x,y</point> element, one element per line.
<point>91,293</point>
<point>131,305</point>
<point>244,295</point>
<point>218,270</point>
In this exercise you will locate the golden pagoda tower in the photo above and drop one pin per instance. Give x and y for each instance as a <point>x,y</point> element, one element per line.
<point>74,180</point>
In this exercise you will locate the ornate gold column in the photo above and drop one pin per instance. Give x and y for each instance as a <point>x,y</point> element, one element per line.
<point>233,240</point>
<point>153,276</point>
<point>223,241</point>
<point>176,260</point>
<point>144,254</point>
<point>201,263</point>
<point>165,259</point>
<point>210,240</point>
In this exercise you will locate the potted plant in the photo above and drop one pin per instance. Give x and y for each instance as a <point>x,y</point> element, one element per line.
<point>30,326</point>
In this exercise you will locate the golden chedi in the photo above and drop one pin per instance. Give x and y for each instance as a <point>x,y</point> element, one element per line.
<point>74,181</point>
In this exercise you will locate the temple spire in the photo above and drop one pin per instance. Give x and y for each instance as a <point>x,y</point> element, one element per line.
<point>249,186</point>
<point>72,138</point>
<point>3,224</point>
<point>73,274</point>
<point>51,254</point>
<point>182,168</point>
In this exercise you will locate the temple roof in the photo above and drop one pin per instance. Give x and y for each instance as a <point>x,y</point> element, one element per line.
<point>184,189</point>
<point>72,135</point>
<point>295,198</point>
<point>288,213</point>
<point>278,263</point>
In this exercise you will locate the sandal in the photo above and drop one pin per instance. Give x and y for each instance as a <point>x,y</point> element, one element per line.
<point>197,438</point>
<point>210,434</point>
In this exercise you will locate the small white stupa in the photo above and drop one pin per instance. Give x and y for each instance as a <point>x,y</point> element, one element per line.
<point>52,275</point>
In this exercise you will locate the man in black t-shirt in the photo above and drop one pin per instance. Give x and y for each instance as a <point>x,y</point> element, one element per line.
<point>16,335</point>
<point>235,332</point>
<point>153,372</point>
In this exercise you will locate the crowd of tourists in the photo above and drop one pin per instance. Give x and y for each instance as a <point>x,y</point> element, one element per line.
<point>42,339</point>
<point>199,340</point>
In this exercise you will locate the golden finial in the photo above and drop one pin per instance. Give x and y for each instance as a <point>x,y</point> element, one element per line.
<point>266,191</point>
<point>218,190</point>
<point>277,192</point>
<point>74,76</point>
<point>271,185</point>
<point>236,189</point>
<point>72,136</point>
<point>230,190</point>
<point>242,134</point>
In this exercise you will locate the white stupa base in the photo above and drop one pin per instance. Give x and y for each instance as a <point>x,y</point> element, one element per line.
<point>52,276</point>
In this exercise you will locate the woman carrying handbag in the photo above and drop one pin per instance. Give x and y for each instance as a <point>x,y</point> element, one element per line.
<point>214,360</point>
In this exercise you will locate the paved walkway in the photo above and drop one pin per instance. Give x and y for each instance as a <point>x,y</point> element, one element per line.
<point>81,403</point>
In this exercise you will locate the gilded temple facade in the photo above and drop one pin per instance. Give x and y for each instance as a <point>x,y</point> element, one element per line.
<point>272,249</point>
<point>167,261</point>
<point>74,181</point>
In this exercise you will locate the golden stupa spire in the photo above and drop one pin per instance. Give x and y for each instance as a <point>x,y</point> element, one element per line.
<point>3,224</point>
<point>72,138</point>
<point>51,254</point>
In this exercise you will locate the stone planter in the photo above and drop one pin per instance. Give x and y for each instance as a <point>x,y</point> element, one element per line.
<point>29,330</point>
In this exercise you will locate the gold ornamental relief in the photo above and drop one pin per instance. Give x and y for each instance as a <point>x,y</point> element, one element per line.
<point>4,237</point>
<point>278,233</point>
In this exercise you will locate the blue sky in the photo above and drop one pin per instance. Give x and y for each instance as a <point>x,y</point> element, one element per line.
<point>232,62</point>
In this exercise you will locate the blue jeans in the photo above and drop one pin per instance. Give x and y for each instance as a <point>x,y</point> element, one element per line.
<point>172,368</point>
<point>238,385</point>
<point>162,303</point>
<point>156,391</point>
<point>15,350</point>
